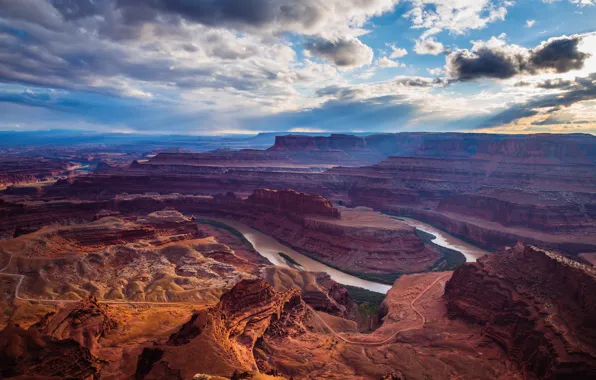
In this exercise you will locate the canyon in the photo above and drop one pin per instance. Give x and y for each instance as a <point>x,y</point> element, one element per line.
<point>494,190</point>
<point>151,263</point>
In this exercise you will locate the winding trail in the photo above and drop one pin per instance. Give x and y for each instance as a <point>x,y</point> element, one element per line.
<point>394,335</point>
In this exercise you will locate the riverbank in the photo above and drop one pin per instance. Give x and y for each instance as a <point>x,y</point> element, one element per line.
<point>270,248</point>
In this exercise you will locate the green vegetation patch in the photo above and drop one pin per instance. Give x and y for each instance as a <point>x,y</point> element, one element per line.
<point>450,258</point>
<point>368,302</point>
<point>223,226</point>
<point>288,259</point>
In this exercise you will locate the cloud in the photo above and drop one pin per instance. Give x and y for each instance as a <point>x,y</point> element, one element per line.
<point>438,71</point>
<point>457,16</point>
<point>330,18</point>
<point>559,54</point>
<point>429,46</point>
<point>372,114</point>
<point>530,23</point>
<point>397,52</point>
<point>385,62</point>
<point>583,3</point>
<point>581,90</point>
<point>342,52</point>
<point>496,59</point>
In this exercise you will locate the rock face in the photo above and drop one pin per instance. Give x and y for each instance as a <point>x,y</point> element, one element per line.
<point>15,171</point>
<point>60,345</point>
<point>294,202</point>
<point>221,340</point>
<point>317,288</point>
<point>536,304</point>
<point>541,147</point>
<point>333,142</point>
<point>86,322</point>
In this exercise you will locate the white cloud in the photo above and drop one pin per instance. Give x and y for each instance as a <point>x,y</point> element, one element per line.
<point>457,16</point>
<point>385,62</point>
<point>583,3</point>
<point>530,23</point>
<point>438,71</point>
<point>580,3</point>
<point>397,52</point>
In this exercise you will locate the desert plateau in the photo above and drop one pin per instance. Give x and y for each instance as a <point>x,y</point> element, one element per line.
<point>473,272</point>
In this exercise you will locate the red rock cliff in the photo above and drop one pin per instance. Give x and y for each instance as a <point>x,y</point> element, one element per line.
<point>221,339</point>
<point>61,345</point>
<point>295,202</point>
<point>539,306</point>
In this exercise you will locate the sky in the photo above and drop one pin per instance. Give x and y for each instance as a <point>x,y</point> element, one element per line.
<point>216,67</point>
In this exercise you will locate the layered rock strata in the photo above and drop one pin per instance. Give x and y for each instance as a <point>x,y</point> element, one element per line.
<point>539,306</point>
<point>61,345</point>
<point>221,340</point>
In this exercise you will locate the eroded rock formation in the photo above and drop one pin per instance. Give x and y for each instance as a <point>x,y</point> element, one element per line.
<point>538,305</point>
<point>159,257</point>
<point>317,288</point>
<point>220,340</point>
<point>61,345</point>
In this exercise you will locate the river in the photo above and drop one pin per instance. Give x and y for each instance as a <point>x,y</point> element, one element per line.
<point>442,238</point>
<point>269,247</point>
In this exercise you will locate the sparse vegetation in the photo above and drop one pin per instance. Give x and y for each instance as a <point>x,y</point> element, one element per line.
<point>223,226</point>
<point>450,258</point>
<point>368,302</point>
<point>289,260</point>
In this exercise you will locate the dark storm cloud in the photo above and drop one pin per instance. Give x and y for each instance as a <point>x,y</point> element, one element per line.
<point>502,61</point>
<point>343,52</point>
<point>583,89</point>
<point>559,55</point>
<point>483,63</point>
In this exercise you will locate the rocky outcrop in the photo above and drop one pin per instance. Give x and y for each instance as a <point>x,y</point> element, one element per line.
<point>23,215</point>
<point>294,202</point>
<point>102,167</point>
<point>317,288</point>
<point>22,170</point>
<point>332,142</point>
<point>86,322</point>
<point>539,306</point>
<point>539,210</point>
<point>60,345</point>
<point>220,340</point>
